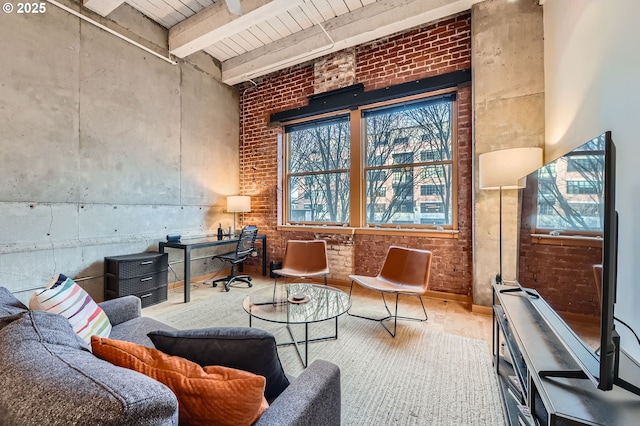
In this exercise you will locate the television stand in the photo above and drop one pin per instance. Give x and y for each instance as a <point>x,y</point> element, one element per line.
<point>525,344</point>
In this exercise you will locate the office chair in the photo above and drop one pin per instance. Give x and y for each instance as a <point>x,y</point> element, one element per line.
<point>246,246</point>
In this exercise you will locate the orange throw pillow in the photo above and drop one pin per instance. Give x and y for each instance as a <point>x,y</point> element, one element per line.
<point>206,396</point>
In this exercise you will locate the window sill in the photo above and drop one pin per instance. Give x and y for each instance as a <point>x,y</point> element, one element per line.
<point>345,230</point>
<point>566,240</point>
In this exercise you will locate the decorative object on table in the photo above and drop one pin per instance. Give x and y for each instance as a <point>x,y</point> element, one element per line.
<point>303,259</point>
<point>173,237</point>
<point>244,248</point>
<point>505,169</point>
<point>405,271</point>
<point>220,232</point>
<point>238,204</point>
<point>298,298</point>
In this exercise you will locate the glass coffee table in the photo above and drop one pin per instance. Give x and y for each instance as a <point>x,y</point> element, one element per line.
<point>298,304</point>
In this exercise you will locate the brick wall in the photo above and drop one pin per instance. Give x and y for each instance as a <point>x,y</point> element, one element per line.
<point>425,51</point>
<point>334,71</point>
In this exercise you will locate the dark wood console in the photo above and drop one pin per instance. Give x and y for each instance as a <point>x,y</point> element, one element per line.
<point>525,344</point>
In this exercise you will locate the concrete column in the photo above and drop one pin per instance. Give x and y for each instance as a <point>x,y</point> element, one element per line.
<point>508,97</point>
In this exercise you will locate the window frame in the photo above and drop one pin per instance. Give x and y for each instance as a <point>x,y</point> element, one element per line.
<point>357,197</point>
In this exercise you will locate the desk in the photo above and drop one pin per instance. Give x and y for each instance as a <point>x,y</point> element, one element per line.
<point>187,245</point>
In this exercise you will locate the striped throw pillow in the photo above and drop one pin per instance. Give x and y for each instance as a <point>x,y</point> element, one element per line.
<point>64,297</point>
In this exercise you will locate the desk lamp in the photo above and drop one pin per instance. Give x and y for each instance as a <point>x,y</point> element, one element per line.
<point>238,204</point>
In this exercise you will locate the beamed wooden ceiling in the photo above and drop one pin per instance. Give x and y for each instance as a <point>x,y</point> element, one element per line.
<point>274,34</point>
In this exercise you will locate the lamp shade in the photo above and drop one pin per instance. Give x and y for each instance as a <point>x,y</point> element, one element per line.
<point>238,203</point>
<point>505,168</point>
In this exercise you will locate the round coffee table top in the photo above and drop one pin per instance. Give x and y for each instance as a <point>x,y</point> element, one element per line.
<point>297,303</point>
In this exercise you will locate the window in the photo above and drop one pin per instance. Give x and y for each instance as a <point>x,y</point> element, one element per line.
<point>407,168</point>
<point>430,190</point>
<point>578,164</point>
<point>581,187</point>
<point>428,155</point>
<point>570,191</point>
<point>424,127</point>
<point>318,170</point>
<point>426,208</point>
<point>401,141</point>
<point>545,208</point>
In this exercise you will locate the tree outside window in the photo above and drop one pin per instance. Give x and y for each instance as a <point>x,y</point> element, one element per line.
<point>423,160</point>
<point>318,178</point>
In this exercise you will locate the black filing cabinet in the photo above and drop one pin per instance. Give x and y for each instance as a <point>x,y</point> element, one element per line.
<point>141,274</point>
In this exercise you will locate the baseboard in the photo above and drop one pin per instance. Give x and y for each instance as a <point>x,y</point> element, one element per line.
<point>450,297</point>
<point>481,309</point>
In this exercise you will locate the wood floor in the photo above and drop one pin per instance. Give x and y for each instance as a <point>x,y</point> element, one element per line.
<point>446,316</point>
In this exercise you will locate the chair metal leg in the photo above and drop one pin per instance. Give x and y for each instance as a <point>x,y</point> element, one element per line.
<point>275,282</point>
<point>231,278</point>
<point>390,315</point>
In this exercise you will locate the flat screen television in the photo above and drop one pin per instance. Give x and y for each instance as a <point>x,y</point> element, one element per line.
<point>568,253</point>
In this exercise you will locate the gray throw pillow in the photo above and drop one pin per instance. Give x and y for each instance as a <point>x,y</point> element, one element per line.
<point>248,349</point>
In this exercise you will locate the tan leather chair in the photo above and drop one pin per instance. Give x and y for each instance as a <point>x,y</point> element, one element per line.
<point>405,271</point>
<point>303,259</point>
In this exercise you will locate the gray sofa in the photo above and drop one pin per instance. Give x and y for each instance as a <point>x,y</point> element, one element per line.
<point>49,376</point>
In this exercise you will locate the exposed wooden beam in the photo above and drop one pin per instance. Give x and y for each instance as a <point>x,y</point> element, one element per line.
<point>216,23</point>
<point>102,7</point>
<point>362,25</point>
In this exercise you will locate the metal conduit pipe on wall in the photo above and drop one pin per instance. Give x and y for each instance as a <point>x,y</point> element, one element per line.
<point>109,30</point>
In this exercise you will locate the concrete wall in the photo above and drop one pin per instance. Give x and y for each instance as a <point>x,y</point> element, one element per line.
<point>105,147</point>
<point>508,97</point>
<point>591,79</point>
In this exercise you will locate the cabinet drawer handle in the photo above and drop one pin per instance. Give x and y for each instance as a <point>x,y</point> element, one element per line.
<point>146,262</point>
<point>146,279</point>
<point>146,295</point>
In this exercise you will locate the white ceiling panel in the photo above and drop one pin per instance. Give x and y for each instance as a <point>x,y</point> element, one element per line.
<point>339,7</point>
<point>291,24</point>
<point>353,4</point>
<point>273,34</point>
<point>325,9</point>
<point>301,17</point>
<point>269,31</point>
<point>232,44</point>
<point>242,42</point>
<point>260,35</point>
<point>218,53</point>
<point>251,39</point>
<point>281,28</point>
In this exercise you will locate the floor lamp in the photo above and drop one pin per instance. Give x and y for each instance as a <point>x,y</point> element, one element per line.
<point>505,169</point>
<point>238,204</point>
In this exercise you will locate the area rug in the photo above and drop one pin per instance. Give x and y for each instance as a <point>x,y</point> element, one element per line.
<point>422,377</point>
